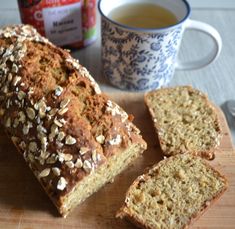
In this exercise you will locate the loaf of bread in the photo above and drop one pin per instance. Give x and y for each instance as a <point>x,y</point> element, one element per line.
<point>185,121</point>
<point>172,193</point>
<point>70,134</point>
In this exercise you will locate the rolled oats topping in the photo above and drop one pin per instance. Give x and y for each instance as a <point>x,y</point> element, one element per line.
<point>114,109</point>
<point>83,150</point>
<point>95,156</point>
<point>100,139</point>
<point>42,108</point>
<point>56,171</point>
<point>87,166</point>
<point>62,120</point>
<point>52,159</point>
<point>44,143</point>
<point>30,157</point>
<point>58,123</point>
<point>19,104</point>
<point>78,164</point>
<point>74,62</point>
<point>53,111</point>
<point>64,103</point>
<point>8,122</point>
<point>62,183</point>
<point>21,95</point>
<point>70,164</point>
<point>14,68</point>
<point>41,129</point>
<point>16,80</point>
<point>31,91</point>
<point>24,32</point>
<point>48,108</point>
<point>58,91</point>
<point>27,127</point>
<point>69,140</point>
<point>33,147</point>
<point>30,113</point>
<point>44,173</point>
<point>63,110</point>
<point>61,136</point>
<point>9,77</point>
<point>65,157</point>
<point>44,154</point>
<point>40,160</point>
<point>22,117</point>
<point>54,130</point>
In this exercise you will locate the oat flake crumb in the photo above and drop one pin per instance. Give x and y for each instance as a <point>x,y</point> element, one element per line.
<point>100,139</point>
<point>69,140</point>
<point>62,183</point>
<point>44,173</point>
<point>56,171</point>
<point>58,90</point>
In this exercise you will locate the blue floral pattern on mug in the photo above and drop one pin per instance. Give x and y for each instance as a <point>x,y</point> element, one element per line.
<point>136,60</point>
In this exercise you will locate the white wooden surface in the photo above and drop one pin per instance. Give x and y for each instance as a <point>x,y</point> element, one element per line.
<point>217,80</point>
<point>221,4</point>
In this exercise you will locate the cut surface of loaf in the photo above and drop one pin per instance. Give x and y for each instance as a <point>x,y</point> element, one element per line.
<point>185,121</point>
<point>172,193</point>
<point>71,135</point>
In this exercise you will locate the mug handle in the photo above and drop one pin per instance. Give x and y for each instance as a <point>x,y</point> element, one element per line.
<point>212,56</point>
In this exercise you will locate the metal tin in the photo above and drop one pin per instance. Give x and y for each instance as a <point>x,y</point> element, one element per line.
<point>64,22</point>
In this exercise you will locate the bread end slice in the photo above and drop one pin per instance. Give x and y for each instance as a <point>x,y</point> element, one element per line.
<point>172,193</point>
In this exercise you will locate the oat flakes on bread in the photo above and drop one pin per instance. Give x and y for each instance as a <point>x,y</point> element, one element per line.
<point>173,193</point>
<point>70,134</point>
<point>185,121</point>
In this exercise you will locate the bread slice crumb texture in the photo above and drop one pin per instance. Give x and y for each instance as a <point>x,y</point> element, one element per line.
<point>185,121</point>
<point>172,193</point>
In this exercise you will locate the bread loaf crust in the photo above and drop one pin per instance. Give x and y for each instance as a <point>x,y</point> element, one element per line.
<point>55,113</point>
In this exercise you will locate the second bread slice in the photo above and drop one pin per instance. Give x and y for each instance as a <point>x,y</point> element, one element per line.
<point>185,121</point>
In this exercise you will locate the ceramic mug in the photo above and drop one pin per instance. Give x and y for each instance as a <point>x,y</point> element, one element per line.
<point>138,59</point>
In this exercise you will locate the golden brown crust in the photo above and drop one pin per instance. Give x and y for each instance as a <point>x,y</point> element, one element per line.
<point>208,153</point>
<point>125,212</point>
<point>55,112</point>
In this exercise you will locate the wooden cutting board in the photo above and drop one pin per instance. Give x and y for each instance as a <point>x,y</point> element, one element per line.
<point>24,205</point>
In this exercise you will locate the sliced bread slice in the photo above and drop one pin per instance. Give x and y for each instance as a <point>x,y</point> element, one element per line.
<point>172,193</point>
<point>185,121</point>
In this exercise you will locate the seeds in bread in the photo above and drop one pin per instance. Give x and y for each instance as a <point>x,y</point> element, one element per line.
<point>172,193</point>
<point>185,121</point>
<point>56,115</point>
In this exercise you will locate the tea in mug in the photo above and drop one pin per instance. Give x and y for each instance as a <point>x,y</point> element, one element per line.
<point>143,15</point>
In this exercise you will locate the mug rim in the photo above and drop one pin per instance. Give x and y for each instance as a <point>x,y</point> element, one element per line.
<point>136,29</point>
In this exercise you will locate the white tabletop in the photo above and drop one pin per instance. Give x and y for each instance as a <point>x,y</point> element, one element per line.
<point>216,80</point>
